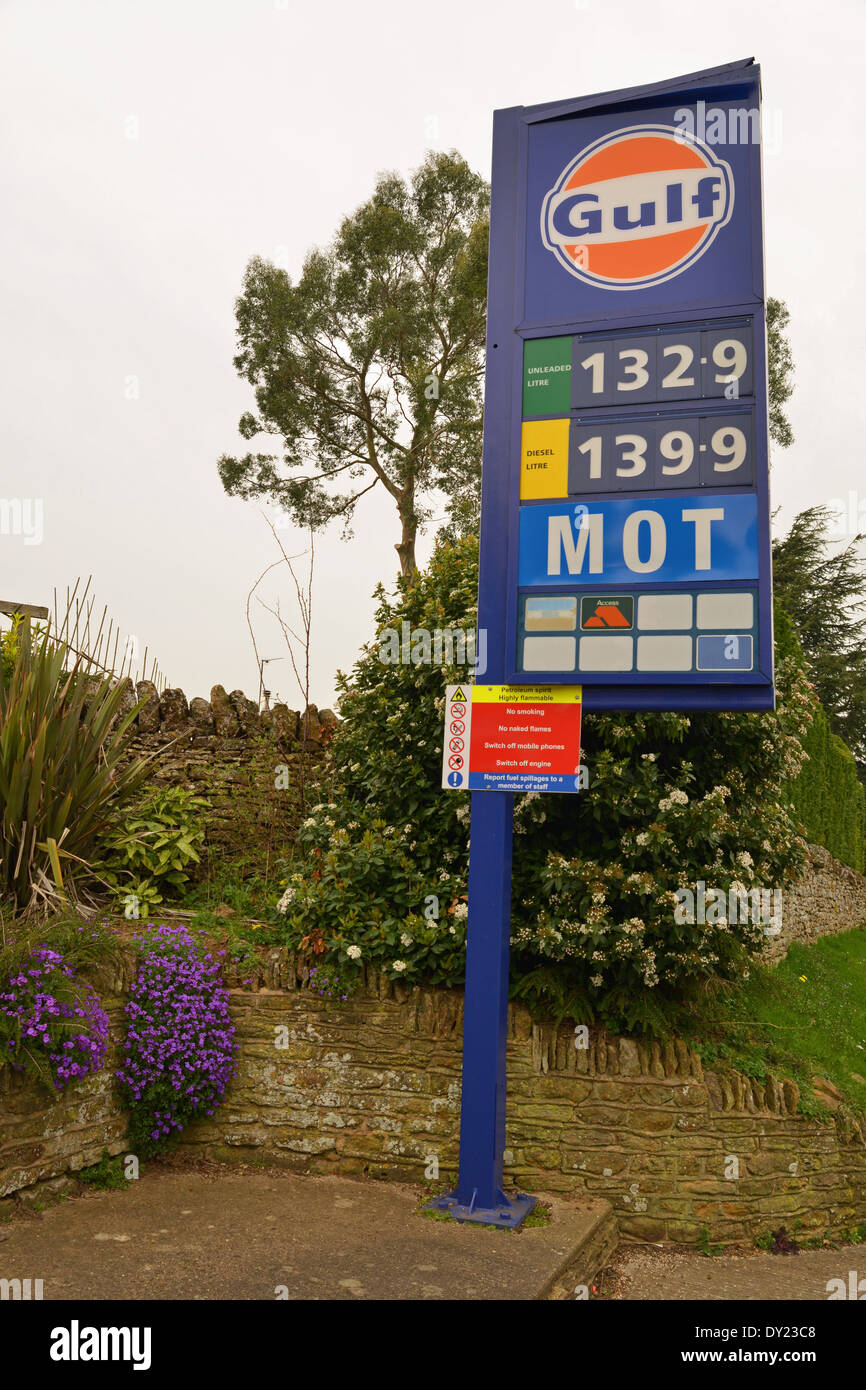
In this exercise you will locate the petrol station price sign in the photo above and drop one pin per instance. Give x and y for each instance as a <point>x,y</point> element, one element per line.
<point>625,510</point>
<point>635,453</point>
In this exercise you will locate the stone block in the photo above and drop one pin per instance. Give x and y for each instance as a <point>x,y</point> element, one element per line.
<point>148,715</point>
<point>640,1228</point>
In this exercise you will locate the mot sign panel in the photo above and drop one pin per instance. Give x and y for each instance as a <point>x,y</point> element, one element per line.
<point>630,377</point>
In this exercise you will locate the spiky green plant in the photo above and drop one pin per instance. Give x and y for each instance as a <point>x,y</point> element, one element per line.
<point>62,768</point>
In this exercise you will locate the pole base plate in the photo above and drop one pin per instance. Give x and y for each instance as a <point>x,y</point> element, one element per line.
<point>508,1213</point>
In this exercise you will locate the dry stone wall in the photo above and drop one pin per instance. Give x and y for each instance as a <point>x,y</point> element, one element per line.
<point>830,897</point>
<point>45,1137</point>
<point>228,751</point>
<point>373,1086</point>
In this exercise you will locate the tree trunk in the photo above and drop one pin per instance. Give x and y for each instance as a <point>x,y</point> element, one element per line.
<point>406,548</point>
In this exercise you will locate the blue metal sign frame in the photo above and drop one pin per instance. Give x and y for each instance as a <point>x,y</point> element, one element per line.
<point>530,295</point>
<point>731,288</point>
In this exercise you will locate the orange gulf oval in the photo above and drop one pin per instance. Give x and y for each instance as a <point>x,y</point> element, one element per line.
<point>642,154</point>
<point>632,260</point>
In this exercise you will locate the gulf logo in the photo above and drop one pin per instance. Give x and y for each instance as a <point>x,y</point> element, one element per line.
<point>637,207</point>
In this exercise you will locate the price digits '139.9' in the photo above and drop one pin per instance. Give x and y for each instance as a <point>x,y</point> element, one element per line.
<point>678,451</point>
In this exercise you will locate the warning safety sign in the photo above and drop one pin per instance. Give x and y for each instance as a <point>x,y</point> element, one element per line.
<point>512,738</point>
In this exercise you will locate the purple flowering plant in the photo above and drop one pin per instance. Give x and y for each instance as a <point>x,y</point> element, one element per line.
<point>180,1048</point>
<point>52,1024</point>
<point>324,981</point>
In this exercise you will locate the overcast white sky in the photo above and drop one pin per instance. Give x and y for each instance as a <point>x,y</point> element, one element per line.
<point>148,149</point>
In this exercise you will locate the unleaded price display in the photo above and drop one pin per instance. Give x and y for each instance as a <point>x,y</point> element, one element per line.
<point>671,364</point>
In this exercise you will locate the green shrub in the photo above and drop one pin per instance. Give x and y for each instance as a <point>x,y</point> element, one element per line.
<point>106,1175</point>
<point>148,848</point>
<point>9,645</point>
<point>827,794</point>
<point>672,799</point>
<point>365,897</point>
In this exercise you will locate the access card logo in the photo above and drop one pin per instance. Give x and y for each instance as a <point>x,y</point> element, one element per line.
<point>637,207</point>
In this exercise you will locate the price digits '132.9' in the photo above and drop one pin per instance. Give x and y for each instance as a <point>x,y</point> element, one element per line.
<point>693,365</point>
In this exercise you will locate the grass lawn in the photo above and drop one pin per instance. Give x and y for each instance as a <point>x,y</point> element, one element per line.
<point>804,1017</point>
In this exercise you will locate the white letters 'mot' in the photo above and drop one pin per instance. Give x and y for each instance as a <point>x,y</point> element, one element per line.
<point>644,541</point>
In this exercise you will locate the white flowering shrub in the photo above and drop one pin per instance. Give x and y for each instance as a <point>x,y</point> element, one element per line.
<point>363,896</point>
<point>672,799</point>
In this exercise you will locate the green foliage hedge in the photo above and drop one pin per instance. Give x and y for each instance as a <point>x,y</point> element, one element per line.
<point>827,795</point>
<point>379,875</point>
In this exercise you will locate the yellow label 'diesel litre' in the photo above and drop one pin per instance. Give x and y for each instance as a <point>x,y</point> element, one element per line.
<point>526,694</point>
<point>544,459</point>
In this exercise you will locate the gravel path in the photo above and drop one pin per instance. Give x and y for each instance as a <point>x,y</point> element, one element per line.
<point>640,1273</point>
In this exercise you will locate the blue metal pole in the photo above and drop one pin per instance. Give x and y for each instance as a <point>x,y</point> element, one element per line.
<point>485,1028</point>
<point>479,1195</point>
